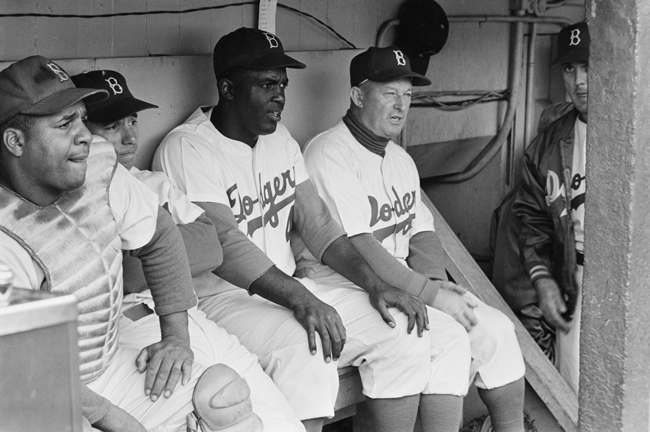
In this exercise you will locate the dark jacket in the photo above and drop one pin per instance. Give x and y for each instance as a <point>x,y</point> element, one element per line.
<point>546,241</point>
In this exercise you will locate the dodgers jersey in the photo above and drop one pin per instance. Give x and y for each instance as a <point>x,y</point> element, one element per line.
<point>258,184</point>
<point>367,193</point>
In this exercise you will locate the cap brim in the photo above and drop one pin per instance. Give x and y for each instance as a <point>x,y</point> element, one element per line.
<point>61,100</point>
<point>576,56</point>
<point>273,60</point>
<point>416,78</point>
<point>118,110</point>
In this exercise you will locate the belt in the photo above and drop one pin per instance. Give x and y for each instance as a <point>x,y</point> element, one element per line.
<point>580,258</point>
<point>137,312</point>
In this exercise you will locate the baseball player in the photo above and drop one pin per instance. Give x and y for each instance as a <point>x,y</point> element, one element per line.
<point>237,162</point>
<point>115,120</point>
<point>67,211</point>
<point>550,204</point>
<point>372,188</point>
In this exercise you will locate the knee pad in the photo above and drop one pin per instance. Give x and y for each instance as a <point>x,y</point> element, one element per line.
<point>222,403</point>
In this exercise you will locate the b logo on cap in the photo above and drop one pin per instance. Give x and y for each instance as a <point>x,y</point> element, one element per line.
<point>63,76</point>
<point>575,37</point>
<point>273,42</point>
<point>112,82</point>
<point>401,61</point>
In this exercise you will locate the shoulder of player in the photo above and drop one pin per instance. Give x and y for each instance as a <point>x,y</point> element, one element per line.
<point>337,140</point>
<point>399,153</point>
<point>548,140</point>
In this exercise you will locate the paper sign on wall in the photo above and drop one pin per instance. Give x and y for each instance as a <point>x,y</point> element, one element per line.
<point>266,19</point>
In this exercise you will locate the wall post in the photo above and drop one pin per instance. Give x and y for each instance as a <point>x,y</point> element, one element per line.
<point>615,340</point>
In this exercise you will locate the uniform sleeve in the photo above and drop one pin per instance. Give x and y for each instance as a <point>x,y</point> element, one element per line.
<point>333,174</point>
<point>536,236</point>
<point>313,220</point>
<point>134,207</point>
<point>299,163</point>
<point>423,221</point>
<point>190,165</point>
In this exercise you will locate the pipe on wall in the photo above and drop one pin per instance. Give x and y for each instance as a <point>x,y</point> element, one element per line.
<point>496,144</point>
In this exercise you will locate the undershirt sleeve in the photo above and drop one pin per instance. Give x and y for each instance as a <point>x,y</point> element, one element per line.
<point>166,268</point>
<point>201,245</point>
<point>426,255</point>
<point>93,406</point>
<point>391,271</point>
<point>243,262</point>
<point>313,220</point>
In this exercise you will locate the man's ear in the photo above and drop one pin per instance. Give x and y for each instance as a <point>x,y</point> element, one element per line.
<point>14,140</point>
<point>357,96</point>
<point>226,89</point>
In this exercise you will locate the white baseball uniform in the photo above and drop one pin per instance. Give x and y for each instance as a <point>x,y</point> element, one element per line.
<point>259,186</point>
<point>368,193</point>
<point>210,344</point>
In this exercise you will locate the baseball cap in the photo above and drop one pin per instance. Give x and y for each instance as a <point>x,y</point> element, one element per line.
<point>383,65</point>
<point>252,49</point>
<point>38,86</point>
<point>573,44</point>
<point>222,402</point>
<point>120,102</point>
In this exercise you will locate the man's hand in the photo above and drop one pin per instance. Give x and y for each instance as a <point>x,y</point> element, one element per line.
<point>451,299</point>
<point>551,302</point>
<point>316,316</point>
<point>414,308</point>
<point>166,361</point>
<point>118,420</point>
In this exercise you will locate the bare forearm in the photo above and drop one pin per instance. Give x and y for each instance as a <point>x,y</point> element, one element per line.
<point>276,286</point>
<point>175,325</point>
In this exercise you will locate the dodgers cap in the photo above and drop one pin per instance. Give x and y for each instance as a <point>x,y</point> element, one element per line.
<point>38,86</point>
<point>252,49</point>
<point>573,44</point>
<point>120,102</point>
<point>383,65</point>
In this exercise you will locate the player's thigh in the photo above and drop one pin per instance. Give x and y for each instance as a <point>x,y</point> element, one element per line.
<point>450,355</point>
<point>260,325</point>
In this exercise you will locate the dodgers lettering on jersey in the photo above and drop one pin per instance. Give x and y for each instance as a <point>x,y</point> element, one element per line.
<point>275,195</point>
<point>400,206</point>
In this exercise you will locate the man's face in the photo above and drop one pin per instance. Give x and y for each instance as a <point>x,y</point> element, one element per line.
<point>575,83</point>
<point>259,101</point>
<point>385,106</point>
<point>123,134</point>
<point>55,151</point>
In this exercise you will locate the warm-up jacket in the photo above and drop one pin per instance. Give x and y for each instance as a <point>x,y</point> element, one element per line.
<point>543,204</point>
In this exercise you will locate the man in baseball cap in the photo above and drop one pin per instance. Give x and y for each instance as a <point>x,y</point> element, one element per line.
<point>243,167</point>
<point>372,188</point>
<point>226,409</point>
<point>552,210</point>
<point>50,173</point>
